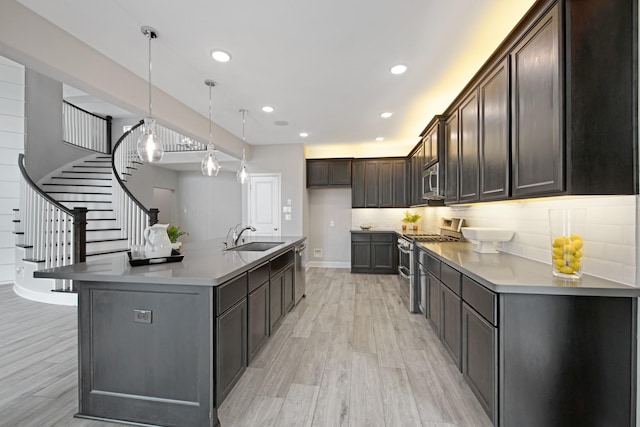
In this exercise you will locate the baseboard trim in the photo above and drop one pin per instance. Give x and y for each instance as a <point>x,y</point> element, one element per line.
<point>328,264</point>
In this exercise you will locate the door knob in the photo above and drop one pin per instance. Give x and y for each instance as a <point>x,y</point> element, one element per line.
<point>275,229</point>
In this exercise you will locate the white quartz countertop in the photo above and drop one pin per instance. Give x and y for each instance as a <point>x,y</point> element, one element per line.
<point>205,263</point>
<point>505,273</point>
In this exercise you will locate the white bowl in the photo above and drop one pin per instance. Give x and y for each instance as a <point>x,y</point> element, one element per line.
<point>486,237</point>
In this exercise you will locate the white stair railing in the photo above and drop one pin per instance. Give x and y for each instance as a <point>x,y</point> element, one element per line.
<point>85,129</point>
<point>54,234</point>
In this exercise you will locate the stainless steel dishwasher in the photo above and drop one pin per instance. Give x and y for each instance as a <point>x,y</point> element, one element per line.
<point>300,285</point>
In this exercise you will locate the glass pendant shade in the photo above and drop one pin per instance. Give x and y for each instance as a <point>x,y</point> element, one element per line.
<point>243,175</point>
<point>210,165</point>
<point>150,148</point>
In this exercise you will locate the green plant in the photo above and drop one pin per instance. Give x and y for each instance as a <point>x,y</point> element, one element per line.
<point>175,232</point>
<point>411,217</point>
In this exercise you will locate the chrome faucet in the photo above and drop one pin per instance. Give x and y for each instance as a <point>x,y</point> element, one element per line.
<point>237,234</point>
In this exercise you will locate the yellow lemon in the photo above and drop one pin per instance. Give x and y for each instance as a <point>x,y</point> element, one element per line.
<point>568,249</point>
<point>558,263</point>
<point>577,244</point>
<point>575,265</point>
<point>578,254</point>
<point>575,237</point>
<point>558,252</point>
<point>558,242</point>
<point>566,270</point>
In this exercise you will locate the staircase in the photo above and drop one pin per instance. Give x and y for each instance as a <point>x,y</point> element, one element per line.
<point>85,183</point>
<point>88,183</point>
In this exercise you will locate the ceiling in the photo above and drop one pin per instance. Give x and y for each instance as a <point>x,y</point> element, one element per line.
<point>323,65</point>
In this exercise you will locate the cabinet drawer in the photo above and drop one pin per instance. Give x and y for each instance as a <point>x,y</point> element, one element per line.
<point>450,277</point>
<point>433,265</point>
<point>258,276</point>
<point>360,237</point>
<point>230,293</point>
<point>383,237</point>
<point>480,299</point>
<point>282,261</point>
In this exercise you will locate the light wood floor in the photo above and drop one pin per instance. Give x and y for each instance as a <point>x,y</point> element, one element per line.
<point>349,354</point>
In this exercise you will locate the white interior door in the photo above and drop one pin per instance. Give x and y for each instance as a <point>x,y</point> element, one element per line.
<point>264,204</point>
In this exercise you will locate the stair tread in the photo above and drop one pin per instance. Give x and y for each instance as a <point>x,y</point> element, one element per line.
<point>18,232</point>
<point>92,166</point>
<point>101,219</point>
<point>85,201</point>
<point>115,251</point>
<point>65,291</point>
<point>101,173</point>
<point>102,229</point>
<point>75,177</point>
<point>24,246</point>
<point>78,185</point>
<point>106,240</point>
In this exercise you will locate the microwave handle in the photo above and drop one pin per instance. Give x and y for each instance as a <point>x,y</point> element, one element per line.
<point>431,175</point>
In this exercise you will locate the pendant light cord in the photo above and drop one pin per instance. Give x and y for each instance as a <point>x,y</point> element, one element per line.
<point>210,135</point>
<point>150,36</point>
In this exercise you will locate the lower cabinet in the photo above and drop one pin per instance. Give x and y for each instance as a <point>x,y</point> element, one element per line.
<point>231,357</point>
<point>258,325</point>
<point>450,329</point>
<point>288,287</point>
<point>433,304</point>
<point>479,358</point>
<point>374,253</point>
<point>276,307</point>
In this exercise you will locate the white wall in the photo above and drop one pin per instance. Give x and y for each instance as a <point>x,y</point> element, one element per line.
<point>146,178</point>
<point>11,144</point>
<point>287,160</point>
<point>208,206</point>
<point>327,206</point>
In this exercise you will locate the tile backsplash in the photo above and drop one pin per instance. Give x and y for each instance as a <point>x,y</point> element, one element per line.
<point>610,247</point>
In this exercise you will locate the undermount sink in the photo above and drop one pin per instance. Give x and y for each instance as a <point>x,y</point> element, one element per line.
<point>486,237</point>
<point>255,246</point>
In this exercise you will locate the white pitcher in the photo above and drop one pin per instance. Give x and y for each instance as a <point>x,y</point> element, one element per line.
<point>157,243</point>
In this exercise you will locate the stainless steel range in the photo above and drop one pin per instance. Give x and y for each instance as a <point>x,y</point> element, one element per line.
<point>450,231</point>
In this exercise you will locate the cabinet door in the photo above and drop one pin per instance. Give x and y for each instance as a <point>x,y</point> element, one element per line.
<point>433,304</point>
<point>371,188</point>
<point>400,184</point>
<point>451,327</point>
<point>426,143</point>
<point>258,323</point>
<point>360,256</point>
<point>317,173</point>
<point>288,284</point>
<point>536,110</point>
<point>382,256</point>
<point>480,359</point>
<point>385,183</point>
<point>340,173</point>
<point>276,307</point>
<point>469,161</point>
<point>494,134</point>
<point>357,185</point>
<point>231,349</point>
<point>451,159</point>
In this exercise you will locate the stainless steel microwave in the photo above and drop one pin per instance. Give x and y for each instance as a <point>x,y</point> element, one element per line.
<point>431,183</point>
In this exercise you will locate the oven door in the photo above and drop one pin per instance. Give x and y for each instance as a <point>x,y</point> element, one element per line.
<point>405,261</point>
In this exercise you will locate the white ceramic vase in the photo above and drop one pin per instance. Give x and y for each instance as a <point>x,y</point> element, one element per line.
<point>157,243</point>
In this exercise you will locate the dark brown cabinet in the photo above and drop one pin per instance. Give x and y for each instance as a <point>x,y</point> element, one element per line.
<point>433,301</point>
<point>328,173</point>
<point>373,252</point>
<point>468,162</point>
<point>479,358</point>
<point>494,134</point>
<point>288,287</point>
<point>451,326</point>
<point>379,183</point>
<point>276,302</point>
<point>416,165</point>
<point>231,338</point>
<point>536,116</point>
<point>258,325</point>
<point>451,152</point>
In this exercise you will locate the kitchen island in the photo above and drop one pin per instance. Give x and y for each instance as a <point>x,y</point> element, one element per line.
<point>534,349</point>
<point>164,344</point>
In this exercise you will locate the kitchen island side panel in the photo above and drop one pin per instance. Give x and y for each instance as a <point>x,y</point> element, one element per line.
<point>567,360</point>
<point>146,353</point>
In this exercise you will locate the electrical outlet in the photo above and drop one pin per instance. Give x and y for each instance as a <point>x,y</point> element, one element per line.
<point>332,223</point>
<point>287,217</point>
<point>142,316</point>
<point>317,253</point>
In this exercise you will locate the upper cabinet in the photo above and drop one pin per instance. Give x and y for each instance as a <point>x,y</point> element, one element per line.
<point>494,133</point>
<point>379,183</point>
<point>328,173</point>
<point>553,111</point>
<point>538,154</point>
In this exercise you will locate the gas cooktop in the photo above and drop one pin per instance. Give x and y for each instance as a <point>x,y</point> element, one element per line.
<point>449,232</point>
<point>431,238</point>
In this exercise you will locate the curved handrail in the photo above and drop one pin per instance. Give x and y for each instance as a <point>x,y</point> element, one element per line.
<point>38,190</point>
<point>83,110</point>
<point>117,175</point>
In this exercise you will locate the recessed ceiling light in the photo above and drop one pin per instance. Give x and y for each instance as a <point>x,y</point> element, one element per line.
<point>386,115</point>
<point>220,55</point>
<point>379,139</point>
<point>268,109</point>
<point>398,69</point>
<point>304,134</point>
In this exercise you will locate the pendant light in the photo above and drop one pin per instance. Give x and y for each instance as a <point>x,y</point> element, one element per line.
<point>150,148</point>
<point>210,165</point>
<point>243,174</point>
